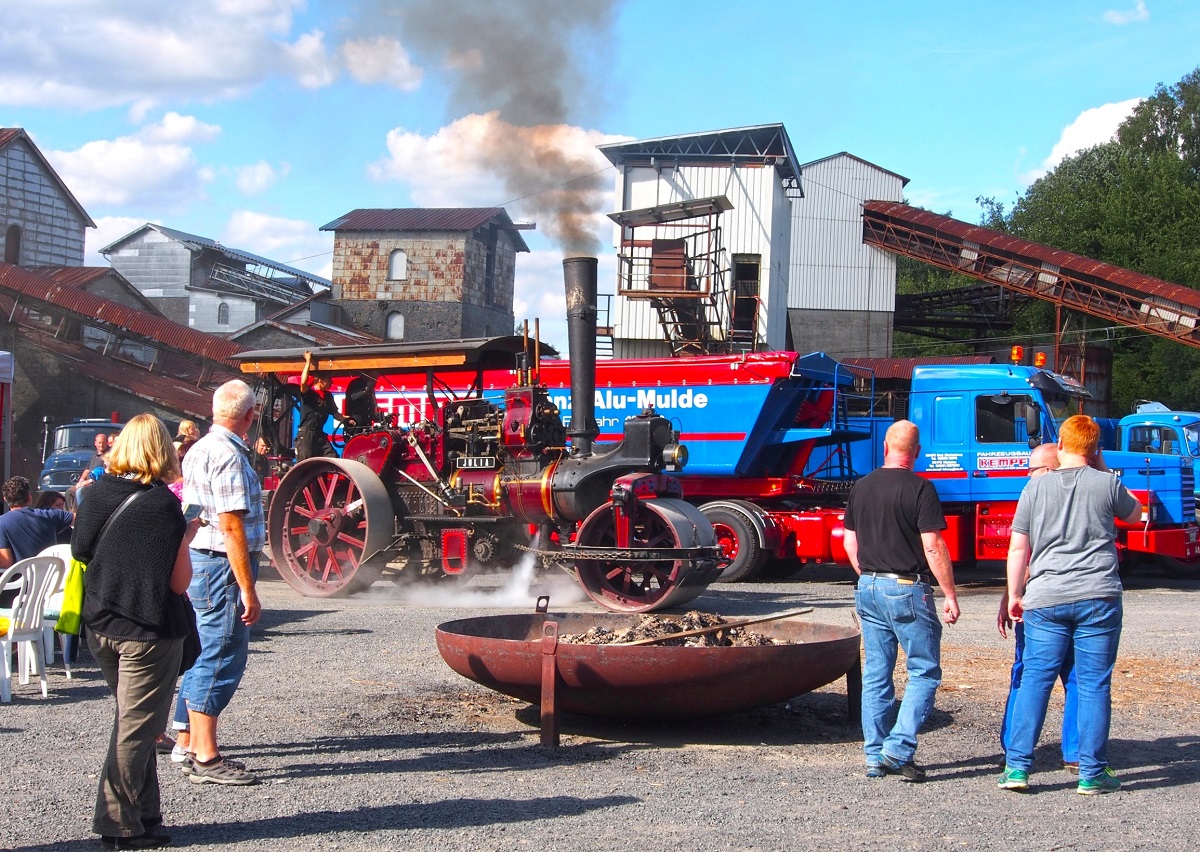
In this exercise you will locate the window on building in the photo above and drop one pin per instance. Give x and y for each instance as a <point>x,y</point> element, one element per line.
<point>398,265</point>
<point>395,326</point>
<point>12,245</point>
<point>223,313</point>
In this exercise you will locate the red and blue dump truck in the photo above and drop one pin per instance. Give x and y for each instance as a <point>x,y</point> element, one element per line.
<point>775,440</point>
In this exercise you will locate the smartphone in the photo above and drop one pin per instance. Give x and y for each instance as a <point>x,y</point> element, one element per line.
<point>191,512</point>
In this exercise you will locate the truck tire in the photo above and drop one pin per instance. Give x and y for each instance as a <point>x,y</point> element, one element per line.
<point>738,537</point>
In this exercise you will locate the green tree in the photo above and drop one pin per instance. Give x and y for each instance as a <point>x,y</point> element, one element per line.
<point>1168,122</point>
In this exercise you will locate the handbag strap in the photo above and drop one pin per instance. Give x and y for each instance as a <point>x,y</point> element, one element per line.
<point>124,504</point>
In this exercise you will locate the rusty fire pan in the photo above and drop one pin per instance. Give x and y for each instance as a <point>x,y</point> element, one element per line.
<point>507,653</point>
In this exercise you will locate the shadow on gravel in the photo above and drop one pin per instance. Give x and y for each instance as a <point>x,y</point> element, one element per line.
<point>816,717</point>
<point>1140,764</point>
<point>453,814</point>
<point>1149,764</point>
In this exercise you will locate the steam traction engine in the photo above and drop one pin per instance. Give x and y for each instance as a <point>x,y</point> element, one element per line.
<point>463,486</point>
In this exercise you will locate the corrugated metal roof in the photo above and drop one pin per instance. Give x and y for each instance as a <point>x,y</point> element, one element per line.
<point>1075,264</point>
<point>11,134</point>
<point>82,277</point>
<point>76,277</point>
<point>902,368</point>
<point>188,398</point>
<point>198,243</point>
<point>803,166</point>
<point>321,335</point>
<point>140,323</point>
<point>752,144</point>
<point>426,219</point>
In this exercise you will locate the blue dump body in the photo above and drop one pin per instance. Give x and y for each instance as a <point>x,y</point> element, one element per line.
<point>747,416</point>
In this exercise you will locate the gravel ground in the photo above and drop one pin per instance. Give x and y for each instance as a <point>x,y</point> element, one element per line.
<point>364,739</point>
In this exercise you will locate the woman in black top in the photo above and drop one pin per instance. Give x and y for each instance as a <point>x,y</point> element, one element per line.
<point>134,617</point>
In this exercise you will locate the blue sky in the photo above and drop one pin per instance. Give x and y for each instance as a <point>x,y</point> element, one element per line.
<point>257,121</point>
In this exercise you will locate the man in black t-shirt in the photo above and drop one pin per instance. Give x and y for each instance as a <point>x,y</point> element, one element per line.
<point>893,538</point>
<point>316,407</point>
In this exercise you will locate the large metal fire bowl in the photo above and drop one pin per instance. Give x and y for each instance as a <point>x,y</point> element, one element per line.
<point>506,652</point>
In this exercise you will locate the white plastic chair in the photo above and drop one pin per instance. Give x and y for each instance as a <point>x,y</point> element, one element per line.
<point>53,608</point>
<point>24,628</point>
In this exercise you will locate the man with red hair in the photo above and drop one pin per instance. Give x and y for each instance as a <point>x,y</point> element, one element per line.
<point>1064,531</point>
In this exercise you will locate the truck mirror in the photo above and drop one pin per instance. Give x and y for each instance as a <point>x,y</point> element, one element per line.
<point>1033,425</point>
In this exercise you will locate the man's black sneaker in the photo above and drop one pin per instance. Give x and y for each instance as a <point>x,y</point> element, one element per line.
<point>907,771</point>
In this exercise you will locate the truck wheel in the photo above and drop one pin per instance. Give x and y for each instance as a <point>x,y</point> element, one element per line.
<point>738,537</point>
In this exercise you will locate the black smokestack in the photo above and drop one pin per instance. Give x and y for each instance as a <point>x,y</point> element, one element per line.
<point>579,274</point>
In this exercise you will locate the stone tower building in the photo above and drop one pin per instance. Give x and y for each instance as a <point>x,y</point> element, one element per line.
<point>427,273</point>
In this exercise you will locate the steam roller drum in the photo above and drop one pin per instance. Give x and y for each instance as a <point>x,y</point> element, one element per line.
<point>329,524</point>
<point>644,586</point>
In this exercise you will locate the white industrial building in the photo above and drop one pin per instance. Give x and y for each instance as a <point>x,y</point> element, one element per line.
<point>725,243</point>
<point>841,291</point>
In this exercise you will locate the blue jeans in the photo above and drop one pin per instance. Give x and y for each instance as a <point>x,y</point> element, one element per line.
<point>1070,720</point>
<point>208,686</point>
<point>1092,629</point>
<point>897,615</point>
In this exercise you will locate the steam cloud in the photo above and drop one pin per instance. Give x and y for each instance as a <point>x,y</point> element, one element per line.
<point>530,61</point>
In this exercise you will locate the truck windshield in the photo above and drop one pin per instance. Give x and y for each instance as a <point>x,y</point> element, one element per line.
<point>81,437</point>
<point>1191,434</point>
<point>1061,406</point>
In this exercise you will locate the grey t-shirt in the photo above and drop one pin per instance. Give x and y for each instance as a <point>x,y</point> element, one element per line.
<point>1068,515</point>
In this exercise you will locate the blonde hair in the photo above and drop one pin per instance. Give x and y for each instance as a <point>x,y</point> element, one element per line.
<point>185,429</point>
<point>144,450</point>
<point>1079,435</point>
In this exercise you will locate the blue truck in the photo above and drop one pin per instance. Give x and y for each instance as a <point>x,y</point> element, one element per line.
<point>68,449</point>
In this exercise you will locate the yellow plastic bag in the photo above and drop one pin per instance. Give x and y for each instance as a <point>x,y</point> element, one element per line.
<point>72,602</point>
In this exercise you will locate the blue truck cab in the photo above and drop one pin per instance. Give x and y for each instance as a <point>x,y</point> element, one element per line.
<point>978,425</point>
<point>1155,429</point>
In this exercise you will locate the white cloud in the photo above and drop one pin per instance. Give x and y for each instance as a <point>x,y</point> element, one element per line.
<point>108,230</point>
<point>289,241</point>
<point>257,178</point>
<point>95,54</point>
<point>310,61</point>
<point>1137,14</point>
<point>152,168</point>
<point>1092,127</point>
<point>381,60</point>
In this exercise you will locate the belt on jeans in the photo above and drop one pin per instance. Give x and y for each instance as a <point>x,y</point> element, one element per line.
<point>221,554</point>
<point>910,578</point>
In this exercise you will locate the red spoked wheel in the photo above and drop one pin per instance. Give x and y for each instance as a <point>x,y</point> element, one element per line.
<point>644,586</point>
<point>328,528</point>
